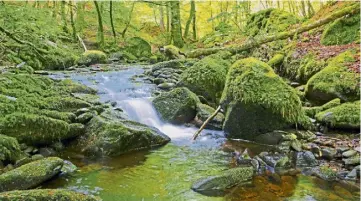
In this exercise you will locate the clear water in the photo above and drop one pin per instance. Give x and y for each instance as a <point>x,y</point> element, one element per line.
<point>168,172</point>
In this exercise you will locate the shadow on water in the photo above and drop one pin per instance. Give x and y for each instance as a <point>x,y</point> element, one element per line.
<point>166,173</point>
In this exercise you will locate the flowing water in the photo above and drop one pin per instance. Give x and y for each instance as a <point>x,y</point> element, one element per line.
<point>166,173</point>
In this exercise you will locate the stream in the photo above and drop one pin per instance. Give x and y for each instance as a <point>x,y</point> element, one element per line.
<point>166,173</point>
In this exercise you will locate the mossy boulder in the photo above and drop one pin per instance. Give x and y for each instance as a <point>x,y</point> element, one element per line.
<point>335,81</point>
<point>172,52</point>
<point>138,47</point>
<point>31,174</point>
<point>9,149</point>
<point>91,57</point>
<point>214,185</point>
<point>207,77</point>
<point>111,134</point>
<point>177,106</point>
<point>312,111</point>
<point>344,116</point>
<point>342,31</point>
<point>46,195</point>
<point>258,101</point>
<point>203,112</point>
<point>37,129</point>
<point>269,21</point>
<point>276,60</point>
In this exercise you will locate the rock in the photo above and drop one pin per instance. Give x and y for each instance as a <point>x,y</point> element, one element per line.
<point>159,80</point>
<point>345,116</point>
<point>324,172</point>
<point>329,153</point>
<point>224,181</point>
<point>296,145</point>
<point>172,52</point>
<point>111,134</point>
<point>9,149</point>
<point>349,153</point>
<point>91,57</point>
<point>47,151</point>
<point>177,106</point>
<point>316,150</point>
<point>30,175</point>
<point>166,86</point>
<point>305,135</point>
<point>81,111</point>
<point>258,101</point>
<point>205,111</point>
<point>312,111</point>
<point>138,47</point>
<point>85,117</point>
<point>275,160</point>
<point>355,160</point>
<point>304,159</point>
<point>354,174</point>
<point>334,81</point>
<point>207,77</point>
<point>342,149</point>
<point>58,146</point>
<point>68,168</point>
<point>46,195</point>
<point>36,157</point>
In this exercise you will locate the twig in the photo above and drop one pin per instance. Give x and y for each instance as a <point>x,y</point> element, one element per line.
<point>206,122</point>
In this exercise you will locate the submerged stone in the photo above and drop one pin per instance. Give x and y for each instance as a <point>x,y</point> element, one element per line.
<point>46,195</point>
<point>31,174</point>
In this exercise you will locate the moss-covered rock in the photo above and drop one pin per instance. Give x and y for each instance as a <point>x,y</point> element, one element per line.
<point>172,52</point>
<point>74,87</point>
<point>276,60</point>
<point>217,184</point>
<point>177,106</point>
<point>30,175</point>
<point>207,77</point>
<point>312,111</point>
<point>90,57</point>
<point>9,149</point>
<point>258,101</point>
<point>269,21</point>
<point>335,81</point>
<point>203,112</point>
<point>36,129</point>
<point>138,47</point>
<point>46,195</point>
<point>111,134</point>
<point>344,116</point>
<point>342,31</point>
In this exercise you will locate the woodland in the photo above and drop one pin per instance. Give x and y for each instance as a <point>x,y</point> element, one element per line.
<point>180,100</point>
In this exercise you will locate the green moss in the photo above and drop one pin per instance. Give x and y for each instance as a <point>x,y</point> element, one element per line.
<point>74,87</point>
<point>172,52</point>
<point>309,66</point>
<point>31,174</point>
<point>342,31</point>
<point>344,116</point>
<point>9,148</point>
<point>177,106</point>
<point>207,77</point>
<point>90,57</point>
<point>334,81</point>
<point>312,111</point>
<point>276,60</point>
<point>258,101</point>
<point>65,103</point>
<point>46,195</point>
<point>138,47</point>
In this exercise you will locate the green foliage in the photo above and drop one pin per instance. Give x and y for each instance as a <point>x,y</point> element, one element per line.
<point>138,47</point>
<point>342,31</point>
<point>9,148</point>
<point>312,111</point>
<point>92,57</point>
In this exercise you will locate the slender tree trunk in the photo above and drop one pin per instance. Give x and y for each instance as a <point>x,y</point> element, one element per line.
<point>129,20</point>
<point>55,10</point>
<point>194,24</point>
<point>72,20</point>
<point>161,18</point>
<point>303,8</point>
<point>190,18</point>
<point>210,7</point>
<point>80,22</point>
<point>168,16</point>
<point>249,44</point>
<point>100,25</point>
<point>111,20</point>
<point>311,10</point>
<point>63,17</point>
<point>176,29</point>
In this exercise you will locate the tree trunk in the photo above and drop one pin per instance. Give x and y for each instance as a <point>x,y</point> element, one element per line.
<point>190,18</point>
<point>303,8</point>
<point>161,18</point>
<point>249,44</point>
<point>111,20</point>
<point>168,16</point>
<point>311,10</point>
<point>72,20</point>
<point>100,25</point>
<point>80,22</point>
<point>63,17</point>
<point>176,29</point>
<point>129,20</point>
<point>194,25</point>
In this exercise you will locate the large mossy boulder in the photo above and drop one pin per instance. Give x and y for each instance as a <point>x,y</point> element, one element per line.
<point>9,149</point>
<point>38,129</point>
<point>30,175</point>
<point>335,81</point>
<point>172,52</point>
<point>344,116</point>
<point>214,185</point>
<point>207,77</point>
<point>258,101</point>
<point>177,106</point>
<point>91,57</point>
<point>112,134</point>
<point>342,31</point>
<point>46,195</point>
<point>138,47</point>
<point>269,21</point>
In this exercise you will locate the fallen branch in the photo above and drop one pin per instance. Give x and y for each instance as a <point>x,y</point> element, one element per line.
<point>355,8</point>
<point>82,43</point>
<point>206,122</point>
